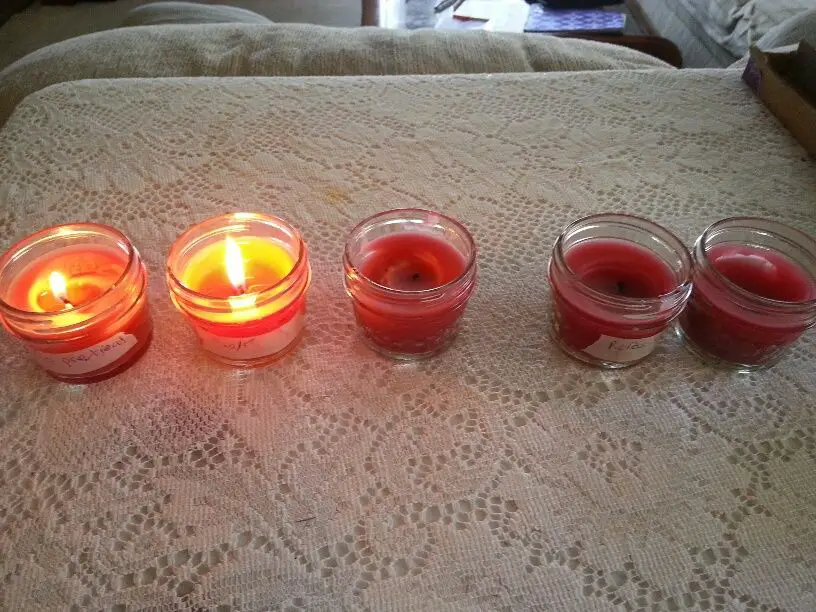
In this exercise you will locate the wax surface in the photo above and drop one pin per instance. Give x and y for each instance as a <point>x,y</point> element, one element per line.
<point>619,267</point>
<point>89,271</point>
<point>266,263</point>
<point>411,261</point>
<point>762,272</point>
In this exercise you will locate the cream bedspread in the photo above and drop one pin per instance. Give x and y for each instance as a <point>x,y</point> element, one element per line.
<point>498,476</point>
<point>299,50</point>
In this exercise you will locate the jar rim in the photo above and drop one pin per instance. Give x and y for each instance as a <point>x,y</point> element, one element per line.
<point>745,222</point>
<point>228,219</point>
<point>618,300</point>
<point>470,264</point>
<point>25,243</point>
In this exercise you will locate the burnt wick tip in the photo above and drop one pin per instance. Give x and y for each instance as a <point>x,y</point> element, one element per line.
<point>415,276</point>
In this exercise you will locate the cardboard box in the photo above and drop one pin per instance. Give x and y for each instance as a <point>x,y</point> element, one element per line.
<point>786,84</point>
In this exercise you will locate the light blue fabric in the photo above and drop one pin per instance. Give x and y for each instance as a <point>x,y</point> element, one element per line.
<point>794,30</point>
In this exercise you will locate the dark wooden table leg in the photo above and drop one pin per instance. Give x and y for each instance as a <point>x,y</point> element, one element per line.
<point>371,13</point>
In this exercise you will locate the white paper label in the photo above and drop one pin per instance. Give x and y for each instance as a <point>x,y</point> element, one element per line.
<point>89,359</point>
<point>254,346</point>
<point>621,350</point>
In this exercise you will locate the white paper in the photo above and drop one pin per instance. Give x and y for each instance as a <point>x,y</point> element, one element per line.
<point>621,350</point>
<point>483,10</point>
<point>88,359</point>
<point>500,15</point>
<point>256,346</point>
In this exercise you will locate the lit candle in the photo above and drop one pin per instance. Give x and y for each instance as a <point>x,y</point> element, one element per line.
<point>76,296</point>
<point>241,281</point>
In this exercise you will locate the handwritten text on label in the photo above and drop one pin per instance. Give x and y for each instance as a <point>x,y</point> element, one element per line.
<point>89,359</point>
<point>621,350</point>
<point>256,346</point>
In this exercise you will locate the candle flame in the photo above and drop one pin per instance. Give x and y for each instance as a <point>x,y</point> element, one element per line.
<point>235,265</point>
<point>59,287</point>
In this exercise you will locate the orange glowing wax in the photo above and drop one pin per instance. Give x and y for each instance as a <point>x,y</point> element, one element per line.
<point>241,281</point>
<point>261,263</point>
<point>80,309</point>
<point>237,269</point>
<point>85,274</point>
<point>244,294</point>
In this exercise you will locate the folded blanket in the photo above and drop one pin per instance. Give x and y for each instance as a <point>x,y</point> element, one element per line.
<point>737,24</point>
<point>297,49</point>
<point>785,37</point>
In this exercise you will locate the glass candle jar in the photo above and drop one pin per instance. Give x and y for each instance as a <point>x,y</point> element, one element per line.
<point>409,274</point>
<point>241,282</point>
<point>76,296</point>
<point>617,281</point>
<point>754,292</point>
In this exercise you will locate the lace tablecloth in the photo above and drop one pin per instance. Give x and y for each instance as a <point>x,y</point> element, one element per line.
<point>499,475</point>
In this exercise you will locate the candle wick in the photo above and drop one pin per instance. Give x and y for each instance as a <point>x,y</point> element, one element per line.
<point>66,304</point>
<point>242,288</point>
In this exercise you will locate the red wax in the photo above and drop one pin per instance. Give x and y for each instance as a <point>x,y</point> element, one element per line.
<point>615,268</point>
<point>411,262</point>
<point>717,323</point>
<point>620,268</point>
<point>765,273</point>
